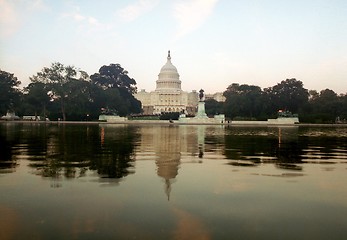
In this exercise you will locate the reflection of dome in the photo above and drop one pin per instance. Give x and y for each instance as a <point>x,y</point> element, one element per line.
<point>168,169</point>
<point>168,78</point>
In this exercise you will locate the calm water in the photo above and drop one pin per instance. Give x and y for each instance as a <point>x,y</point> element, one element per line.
<point>172,182</point>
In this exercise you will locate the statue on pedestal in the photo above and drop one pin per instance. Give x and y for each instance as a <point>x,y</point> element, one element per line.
<point>201,95</point>
<point>201,106</point>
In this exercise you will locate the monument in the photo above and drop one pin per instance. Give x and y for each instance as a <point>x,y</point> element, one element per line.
<point>201,114</point>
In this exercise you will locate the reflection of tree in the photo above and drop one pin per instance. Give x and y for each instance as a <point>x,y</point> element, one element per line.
<point>213,139</point>
<point>325,143</point>
<point>116,155</point>
<point>8,138</point>
<point>60,151</point>
<point>70,150</point>
<point>256,145</point>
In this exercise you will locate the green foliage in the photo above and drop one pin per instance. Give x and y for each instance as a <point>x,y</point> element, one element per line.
<point>35,100</point>
<point>67,90</point>
<point>213,107</point>
<point>288,95</point>
<point>9,92</point>
<point>65,85</point>
<point>325,107</point>
<point>79,100</point>
<point>118,89</point>
<point>114,76</point>
<point>250,102</point>
<point>244,100</point>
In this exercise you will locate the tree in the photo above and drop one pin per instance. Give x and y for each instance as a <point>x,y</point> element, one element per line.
<point>213,107</point>
<point>59,80</point>
<point>114,76</point>
<point>313,94</point>
<point>36,98</point>
<point>243,101</point>
<point>9,92</point>
<point>343,110</point>
<point>326,106</point>
<point>80,100</point>
<point>118,90</point>
<point>288,95</point>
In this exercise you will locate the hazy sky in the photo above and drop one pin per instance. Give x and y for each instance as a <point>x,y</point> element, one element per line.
<point>213,43</point>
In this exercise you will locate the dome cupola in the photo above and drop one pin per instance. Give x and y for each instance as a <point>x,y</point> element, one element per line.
<point>168,78</point>
<point>168,67</point>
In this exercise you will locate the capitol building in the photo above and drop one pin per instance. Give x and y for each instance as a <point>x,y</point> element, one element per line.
<point>168,95</point>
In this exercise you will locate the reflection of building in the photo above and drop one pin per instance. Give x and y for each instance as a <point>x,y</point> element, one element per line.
<point>168,95</point>
<point>167,143</point>
<point>173,146</point>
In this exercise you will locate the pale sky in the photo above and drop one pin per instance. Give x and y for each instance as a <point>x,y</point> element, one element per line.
<point>213,43</point>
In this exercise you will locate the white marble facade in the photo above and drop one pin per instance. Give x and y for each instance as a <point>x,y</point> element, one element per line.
<point>168,95</point>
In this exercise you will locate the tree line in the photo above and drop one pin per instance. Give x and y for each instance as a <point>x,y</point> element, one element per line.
<point>67,93</point>
<point>249,102</point>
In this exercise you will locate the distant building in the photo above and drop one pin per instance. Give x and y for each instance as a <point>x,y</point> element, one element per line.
<point>218,96</point>
<point>168,95</point>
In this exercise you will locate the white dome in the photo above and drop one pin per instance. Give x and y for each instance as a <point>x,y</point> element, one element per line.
<point>168,66</point>
<point>168,78</point>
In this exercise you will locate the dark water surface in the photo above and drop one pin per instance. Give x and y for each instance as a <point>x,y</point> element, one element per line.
<point>101,181</point>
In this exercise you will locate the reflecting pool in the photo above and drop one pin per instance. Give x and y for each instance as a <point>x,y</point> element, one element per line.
<point>113,181</point>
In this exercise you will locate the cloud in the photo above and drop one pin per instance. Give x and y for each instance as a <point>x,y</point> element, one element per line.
<point>8,20</point>
<point>137,9</point>
<point>80,18</point>
<point>190,14</point>
<point>93,21</point>
<point>37,5</point>
<point>15,13</point>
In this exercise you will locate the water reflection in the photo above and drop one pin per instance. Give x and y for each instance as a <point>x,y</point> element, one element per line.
<point>68,151</point>
<point>170,146</point>
<point>7,162</point>
<point>253,146</point>
<point>285,147</point>
<point>114,156</point>
<point>59,150</point>
<point>221,182</point>
<point>165,144</point>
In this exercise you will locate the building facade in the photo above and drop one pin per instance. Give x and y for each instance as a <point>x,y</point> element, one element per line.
<point>168,95</point>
